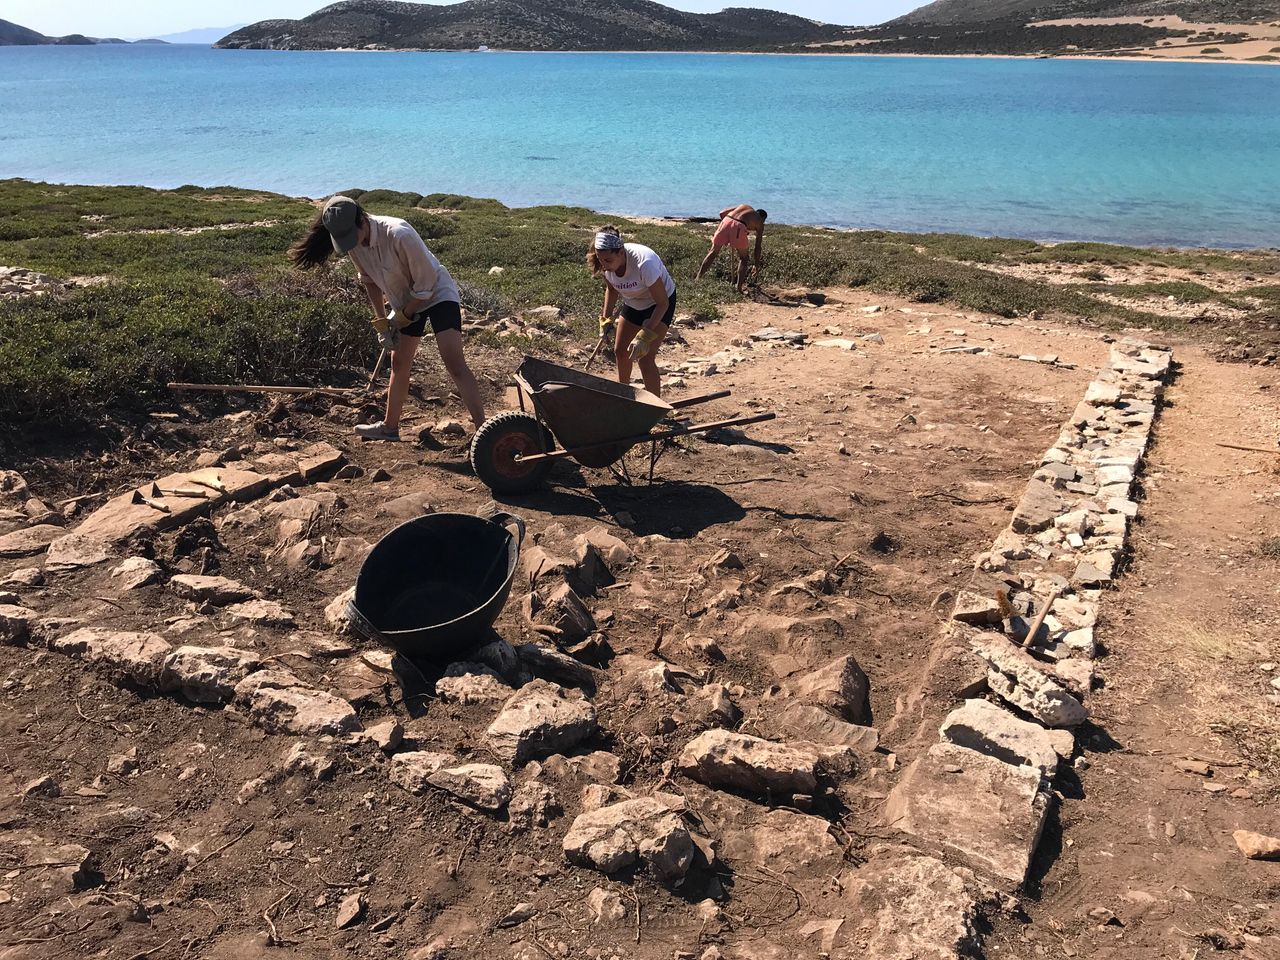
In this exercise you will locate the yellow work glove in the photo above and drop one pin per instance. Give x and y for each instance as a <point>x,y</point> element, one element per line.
<point>387,330</point>
<point>606,326</point>
<point>644,343</point>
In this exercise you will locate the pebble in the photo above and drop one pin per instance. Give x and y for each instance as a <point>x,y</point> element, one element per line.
<point>350,911</point>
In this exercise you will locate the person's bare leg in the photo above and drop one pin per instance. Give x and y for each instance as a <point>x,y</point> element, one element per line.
<point>742,272</point>
<point>707,261</point>
<point>621,341</point>
<point>401,367</point>
<point>649,371</point>
<point>449,343</point>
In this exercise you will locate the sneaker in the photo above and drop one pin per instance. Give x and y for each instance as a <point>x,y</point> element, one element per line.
<point>377,431</point>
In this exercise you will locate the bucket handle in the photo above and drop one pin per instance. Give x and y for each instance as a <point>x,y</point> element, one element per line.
<point>504,519</point>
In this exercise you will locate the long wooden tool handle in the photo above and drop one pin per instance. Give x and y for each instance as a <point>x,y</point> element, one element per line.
<point>377,369</point>
<point>257,388</point>
<point>1029,639</point>
<point>1236,446</point>
<point>591,359</point>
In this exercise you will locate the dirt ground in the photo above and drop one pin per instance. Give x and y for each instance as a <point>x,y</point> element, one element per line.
<point>889,466</point>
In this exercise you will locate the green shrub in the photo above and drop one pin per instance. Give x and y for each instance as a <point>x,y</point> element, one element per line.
<point>1211,50</point>
<point>68,358</point>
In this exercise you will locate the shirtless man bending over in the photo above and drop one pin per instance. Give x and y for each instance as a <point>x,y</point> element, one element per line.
<point>736,223</point>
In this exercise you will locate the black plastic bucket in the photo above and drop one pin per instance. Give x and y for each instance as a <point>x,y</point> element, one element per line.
<point>432,587</point>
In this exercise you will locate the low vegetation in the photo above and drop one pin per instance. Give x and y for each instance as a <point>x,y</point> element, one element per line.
<point>212,298</point>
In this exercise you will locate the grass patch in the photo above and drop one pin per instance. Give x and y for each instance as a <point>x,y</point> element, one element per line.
<point>1270,548</point>
<point>223,305</point>
<point>1211,50</point>
<point>1264,58</point>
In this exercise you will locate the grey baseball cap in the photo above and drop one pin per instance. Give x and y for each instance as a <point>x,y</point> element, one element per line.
<point>341,217</point>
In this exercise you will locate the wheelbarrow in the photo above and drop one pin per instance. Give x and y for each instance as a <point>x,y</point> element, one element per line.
<point>594,420</point>
<point>432,587</point>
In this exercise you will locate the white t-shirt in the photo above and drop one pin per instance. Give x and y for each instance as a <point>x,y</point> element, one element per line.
<point>644,269</point>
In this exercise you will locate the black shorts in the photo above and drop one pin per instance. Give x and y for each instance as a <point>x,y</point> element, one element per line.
<point>638,318</point>
<point>443,316</point>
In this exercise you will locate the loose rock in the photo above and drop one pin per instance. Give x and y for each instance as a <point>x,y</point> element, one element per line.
<point>720,758</point>
<point>480,784</point>
<point>1257,846</point>
<point>649,829</point>
<point>279,702</point>
<point>540,719</point>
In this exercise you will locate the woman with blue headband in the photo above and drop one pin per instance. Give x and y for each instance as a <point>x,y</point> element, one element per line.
<point>636,275</point>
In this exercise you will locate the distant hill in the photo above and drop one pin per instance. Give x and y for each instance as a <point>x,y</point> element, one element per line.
<point>980,11</point>
<point>531,25</point>
<point>209,35</point>
<point>13,35</point>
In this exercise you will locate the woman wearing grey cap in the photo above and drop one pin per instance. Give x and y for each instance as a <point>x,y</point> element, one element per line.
<point>407,288</point>
<point>637,275</point>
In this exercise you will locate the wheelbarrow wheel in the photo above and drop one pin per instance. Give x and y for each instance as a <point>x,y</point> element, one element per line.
<point>497,444</point>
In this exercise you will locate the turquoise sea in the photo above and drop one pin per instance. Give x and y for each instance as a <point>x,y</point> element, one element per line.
<point>1161,153</point>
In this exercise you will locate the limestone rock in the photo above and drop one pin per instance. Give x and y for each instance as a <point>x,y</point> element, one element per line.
<point>540,719</point>
<point>407,507</point>
<point>15,624</point>
<point>28,542</point>
<point>206,674</point>
<point>982,726</point>
<point>840,687</point>
<point>714,705</point>
<point>648,829</point>
<point>1257,846</point>
<point>412,770</point>
<point>335,612</point>
<point>386,736</point>
<point>136,657</point>
<point>137,572</point>
<point>75,551</point>
<point>912,907</point>
<point>784,841</point>
<point>1039,507</point>
<point>544,661</point>
<point>976,609</point>
<point>266,613</point>
<point>480,784</point>
<point>279,702</point>
<point>533,804</point>
<point>565,613</point>
<point>613,549</point>
<point>801,721</point>
<point>606,906</point>
<point>69,863</point>
<point>1018,679</point>
<point>350,911</point>
<point>720,758</point>
<point>311,760</point>
<point>45,787</point>
<point>472,688</point>
<point>989,812</point>
<point>218,591</point>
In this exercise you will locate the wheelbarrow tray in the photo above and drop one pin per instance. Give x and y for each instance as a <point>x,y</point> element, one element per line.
<point>585,411</point>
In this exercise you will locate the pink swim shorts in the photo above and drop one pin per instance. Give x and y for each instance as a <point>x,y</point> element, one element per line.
<point>731,233</point>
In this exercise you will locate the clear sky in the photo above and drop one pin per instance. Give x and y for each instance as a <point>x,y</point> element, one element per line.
<point>142,18</point>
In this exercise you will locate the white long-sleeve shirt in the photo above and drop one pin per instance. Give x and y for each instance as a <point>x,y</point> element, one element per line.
<point>401,266</point>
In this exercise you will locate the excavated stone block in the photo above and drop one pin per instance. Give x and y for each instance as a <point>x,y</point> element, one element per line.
<point>988,812</point>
